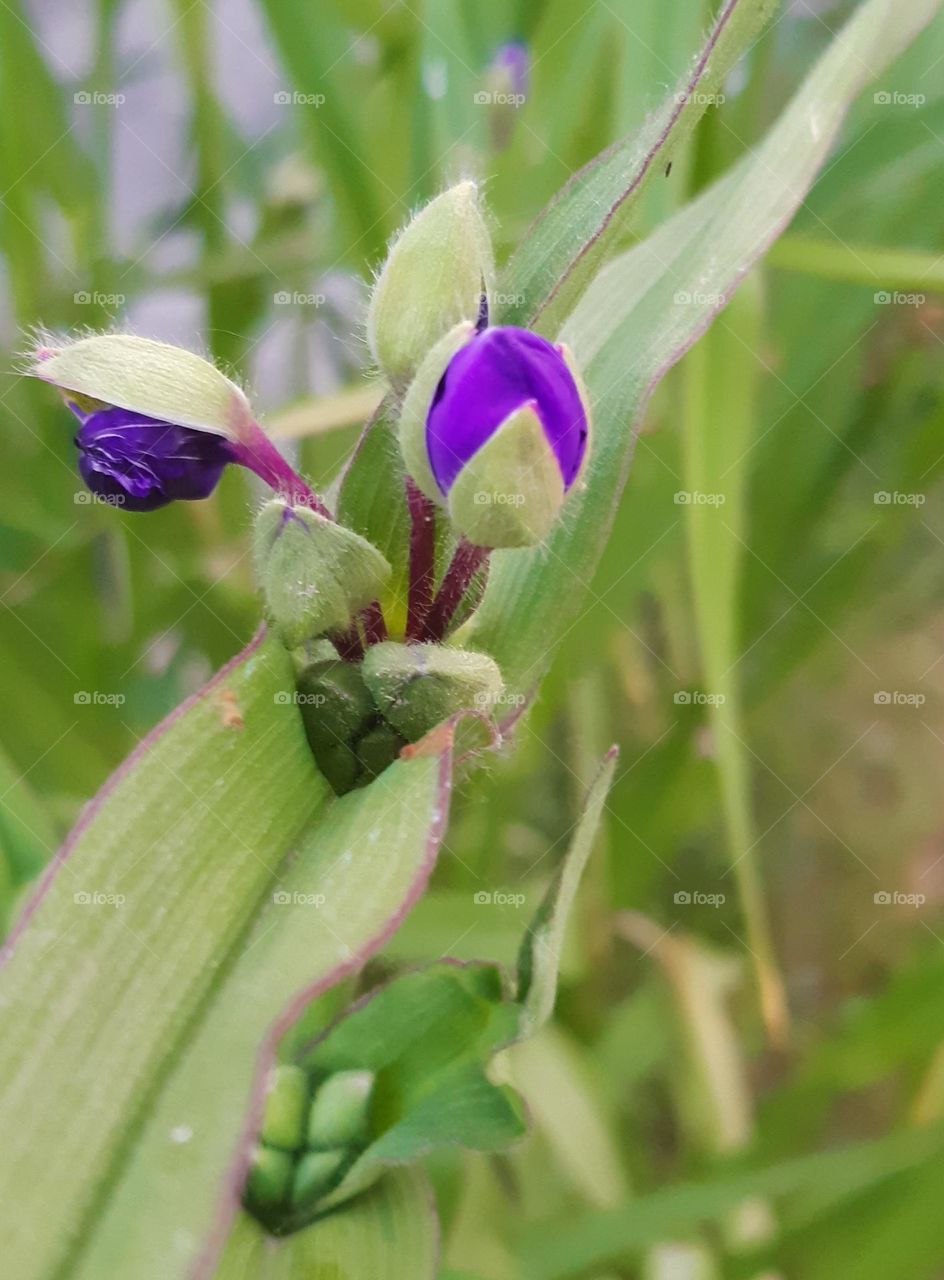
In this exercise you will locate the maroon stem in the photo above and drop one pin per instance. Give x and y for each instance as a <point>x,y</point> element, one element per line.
<point>348,643</point>
<point>422,559</point>
<point>466,562</point>
<point>260,455</point>
<point>375,626</point>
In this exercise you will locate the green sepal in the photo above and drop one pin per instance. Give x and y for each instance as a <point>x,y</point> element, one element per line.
<point>416,686</point>
<point>339,1110</point>
<point>286,1104</point>
<point>315,574</point>
<point>419,397</point>
<point>510,492</point>
<point>434,276</point>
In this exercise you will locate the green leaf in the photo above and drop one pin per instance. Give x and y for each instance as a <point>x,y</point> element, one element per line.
<point>115,956</point>
<point>556,1251</point>
<point>567,241</point>
<point>389,1233</point>
<point>539,958</point>
<point>644,311</point>
<point>357,869</point>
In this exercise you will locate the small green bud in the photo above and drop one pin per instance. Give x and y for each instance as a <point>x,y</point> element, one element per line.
<point>338,1115</point>
<point>152,378</point>
<point>510,492</point>
<point>416,686</point>
<point>377,750</point>
<point>283,1122</point>
<point>434,276</point>
<point>315,574</point>
<point>316,1173</point>
<point>270,1177</point>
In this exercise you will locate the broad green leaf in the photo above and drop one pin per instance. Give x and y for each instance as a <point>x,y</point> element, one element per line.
<point>644,311</point>
<point>389,1233</point>
<point>567,240</point>
<point>116,955</point>
<point>357,869</point>
<point>539,958</point>
<point>27,836</point>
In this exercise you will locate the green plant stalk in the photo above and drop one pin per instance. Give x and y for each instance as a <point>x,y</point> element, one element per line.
<point>719,382</point>
<point>884,269</point>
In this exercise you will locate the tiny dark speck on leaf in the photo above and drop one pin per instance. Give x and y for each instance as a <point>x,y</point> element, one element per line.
<point>668,168</point>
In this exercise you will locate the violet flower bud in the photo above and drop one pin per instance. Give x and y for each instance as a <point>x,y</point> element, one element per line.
<point>495,428</point>
<point>158,422</point>
<point>141,463</point>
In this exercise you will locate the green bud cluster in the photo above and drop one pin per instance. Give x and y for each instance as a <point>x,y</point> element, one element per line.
<point>359,717</point>
<point>312,1132</point>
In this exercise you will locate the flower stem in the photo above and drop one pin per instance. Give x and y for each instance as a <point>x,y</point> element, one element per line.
<point>466,562</point>
<point>422,559</point>
<point>375,625</point>
<point>260,455</point>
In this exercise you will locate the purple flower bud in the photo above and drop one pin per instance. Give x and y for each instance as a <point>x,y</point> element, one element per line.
<point>497,373</point>
<point>142,463</point>
<point>513,63</point>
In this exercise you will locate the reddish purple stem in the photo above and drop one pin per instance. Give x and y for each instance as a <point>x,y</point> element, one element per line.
<point>375,626</point>
<point>466,562</point>
<point>260,455</point>
<point>422,559</point>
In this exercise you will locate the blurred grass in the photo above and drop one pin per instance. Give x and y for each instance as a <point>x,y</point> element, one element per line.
<point>814,396</point>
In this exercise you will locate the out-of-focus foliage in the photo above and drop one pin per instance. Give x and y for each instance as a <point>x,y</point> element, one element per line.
<point>243,215</point>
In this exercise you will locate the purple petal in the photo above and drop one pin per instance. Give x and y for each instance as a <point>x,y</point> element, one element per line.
<point>497,373</point>
<point>142,463</point>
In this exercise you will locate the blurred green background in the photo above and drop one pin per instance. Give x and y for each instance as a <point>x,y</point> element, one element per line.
<point>227,177</point>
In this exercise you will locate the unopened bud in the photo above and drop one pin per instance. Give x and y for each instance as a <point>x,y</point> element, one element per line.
<point>286,1104</point>
<point>315,573</point>
<point>435,275</point>
<point>417,686</point>
<point>339,1110</point>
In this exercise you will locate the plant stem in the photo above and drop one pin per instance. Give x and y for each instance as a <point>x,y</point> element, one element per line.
<point>375,626</point>
<point>422,559</point>
<point>259,454</point>
<point>466,562</point>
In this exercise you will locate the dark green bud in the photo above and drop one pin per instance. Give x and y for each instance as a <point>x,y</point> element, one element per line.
<point>378,749</point>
